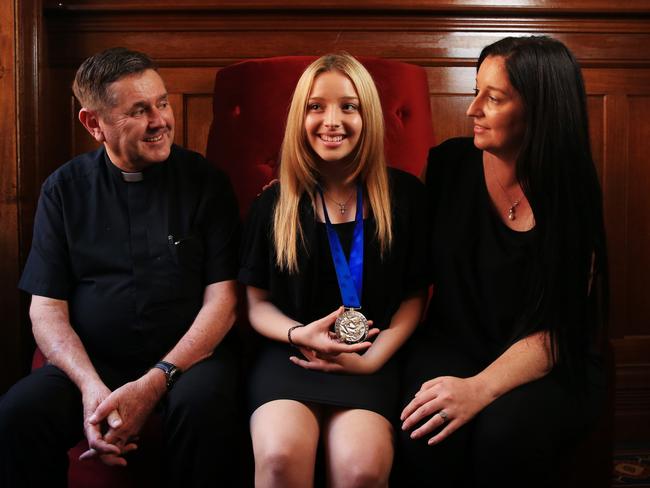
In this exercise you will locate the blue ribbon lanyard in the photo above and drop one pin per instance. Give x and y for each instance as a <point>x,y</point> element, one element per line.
<point>348,273</point>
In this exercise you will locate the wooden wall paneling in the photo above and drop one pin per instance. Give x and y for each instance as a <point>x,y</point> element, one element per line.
<point>198,117</point>
<point>626,141</point>
<point>189,79</point>
<point>596,109</point>
<point>177,102</point>
<point>82,141</point>
<point>448,116</point>
<point>450,93</point>
<point>424,38</point>
<point>62,134</point>
<point>191,95</point>
<point>632,343</point>
<point>632,403</point>
<point>30,82</point>
<point>22,126</point>
<point>615,208</point>
<point>9,239</point>
<point>219,47</point>
<point>626,178</point>
<point>614,181</point>
<point>638,214</point>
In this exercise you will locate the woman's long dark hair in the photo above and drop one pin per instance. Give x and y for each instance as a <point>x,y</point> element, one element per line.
<point>556,171</point>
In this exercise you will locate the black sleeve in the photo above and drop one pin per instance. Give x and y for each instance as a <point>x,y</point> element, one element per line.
<point>48,271</point>
<point>443,159</point>
<point>416,225</point>
<point>255,252</point>
<point>221,231</point>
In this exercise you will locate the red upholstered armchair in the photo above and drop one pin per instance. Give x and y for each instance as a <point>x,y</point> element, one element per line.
<point>251,101</point>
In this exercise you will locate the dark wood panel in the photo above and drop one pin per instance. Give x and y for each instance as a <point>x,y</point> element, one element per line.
<point>614,190</point>
<point>625,178</point>
<point>451,80</point>
<point>198,117</point>
<point>26,121</point>
<point>448,114</point>
<point>632,419</point>
<point>190,79</point>
<point>617,81</point>
<point>596,108</point>
<point>9,243</point>
<point>178,106</point>
<point>638,216</point>
<point>152,21</point>
<point>429,42</point>
<point>82,141</point>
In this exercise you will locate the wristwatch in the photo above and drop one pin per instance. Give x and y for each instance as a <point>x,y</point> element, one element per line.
<point>172,373</point>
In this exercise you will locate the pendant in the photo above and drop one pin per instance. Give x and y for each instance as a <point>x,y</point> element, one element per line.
<point>512,210</point>
<point>351,326</point>
<point>341,208</point>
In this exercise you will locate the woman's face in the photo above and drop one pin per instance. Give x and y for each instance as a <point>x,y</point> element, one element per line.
<point>497,110</point>
<point>333,120</point>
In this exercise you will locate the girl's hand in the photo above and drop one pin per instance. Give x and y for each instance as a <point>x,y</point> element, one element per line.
<point>444,400</point>
<point>317,336</point>
<point>351,363</point>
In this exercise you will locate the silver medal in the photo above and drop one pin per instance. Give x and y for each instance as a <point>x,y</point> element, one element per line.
<point>351,326</point>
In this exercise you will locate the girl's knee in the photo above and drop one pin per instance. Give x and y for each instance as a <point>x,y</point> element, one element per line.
<point>360,474</point>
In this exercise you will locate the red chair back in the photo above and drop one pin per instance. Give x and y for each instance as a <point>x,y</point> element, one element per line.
<point>251,101</point>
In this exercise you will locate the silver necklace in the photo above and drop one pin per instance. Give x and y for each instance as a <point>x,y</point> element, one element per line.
<point>513,205</point>
<point>342,206</point>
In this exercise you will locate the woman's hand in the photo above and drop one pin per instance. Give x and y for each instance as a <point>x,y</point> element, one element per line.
<point>318,337</point>
<point>446,400</point>
<point>274,181</point>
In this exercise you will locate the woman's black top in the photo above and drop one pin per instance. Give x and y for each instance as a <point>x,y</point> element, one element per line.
<point>480,267</point>
<point>313,293</point>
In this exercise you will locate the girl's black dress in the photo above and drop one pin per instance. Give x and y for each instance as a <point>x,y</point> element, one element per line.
<point>313,293</point>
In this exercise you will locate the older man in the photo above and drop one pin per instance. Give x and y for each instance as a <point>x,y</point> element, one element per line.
<point>131,274</point>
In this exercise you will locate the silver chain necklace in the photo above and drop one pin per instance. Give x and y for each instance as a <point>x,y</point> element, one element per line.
<point>342,206</point>
<point>513,205</point>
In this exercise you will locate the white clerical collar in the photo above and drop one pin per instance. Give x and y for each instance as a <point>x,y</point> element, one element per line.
<point>132,177</point>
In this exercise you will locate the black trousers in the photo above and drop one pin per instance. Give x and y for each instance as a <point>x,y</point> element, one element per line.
<point>521,439</point>
<point>41,418</point>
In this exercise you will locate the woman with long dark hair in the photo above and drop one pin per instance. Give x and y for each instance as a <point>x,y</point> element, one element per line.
<point>504,376</point>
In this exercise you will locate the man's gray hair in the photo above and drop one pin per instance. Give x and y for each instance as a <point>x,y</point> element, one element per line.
<point>100,70</point>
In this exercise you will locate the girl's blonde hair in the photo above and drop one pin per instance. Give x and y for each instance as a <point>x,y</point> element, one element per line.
<point>298,162</point>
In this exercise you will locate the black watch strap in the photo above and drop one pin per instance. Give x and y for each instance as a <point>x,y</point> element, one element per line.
<point>172,372</point>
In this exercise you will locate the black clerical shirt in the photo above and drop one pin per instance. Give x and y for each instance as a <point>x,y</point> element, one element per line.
<point>132,258</point>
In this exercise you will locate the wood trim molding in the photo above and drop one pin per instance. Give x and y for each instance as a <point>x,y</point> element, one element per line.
<point>29,83</point>
<point>195,39</point>
<point>158,21</point>
<point>29,154</point>
<point>529,6</point>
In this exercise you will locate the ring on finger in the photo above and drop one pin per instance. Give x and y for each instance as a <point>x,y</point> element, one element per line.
<point>443,415</point>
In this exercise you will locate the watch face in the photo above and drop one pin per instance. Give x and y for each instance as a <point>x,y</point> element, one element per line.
<point>173,375</point>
